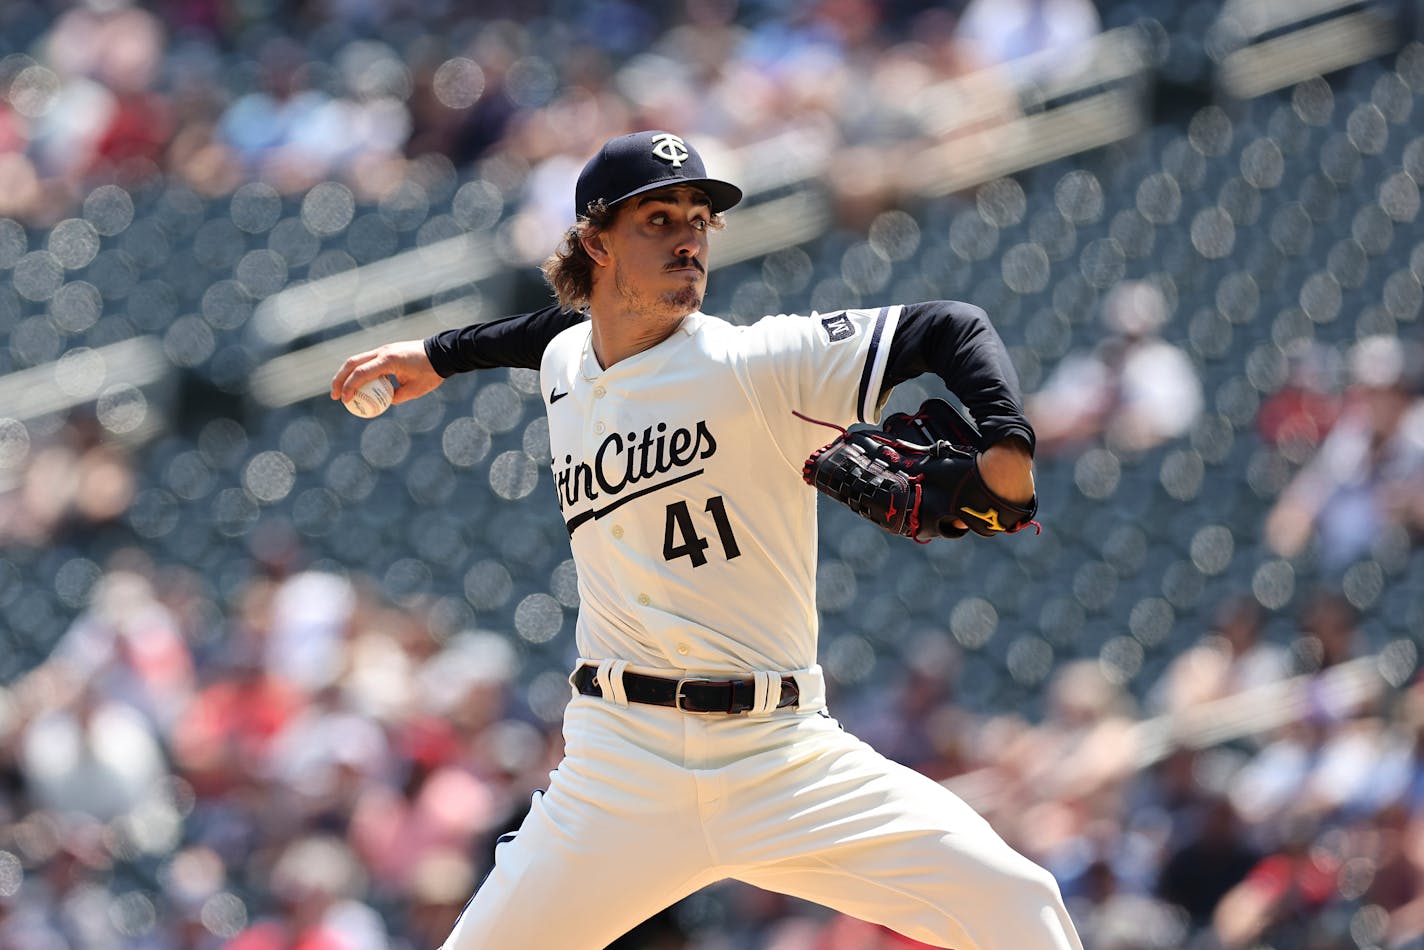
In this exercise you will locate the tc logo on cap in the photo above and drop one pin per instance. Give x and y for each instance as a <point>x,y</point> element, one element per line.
<point>645,161</point>
<point>670,149</point>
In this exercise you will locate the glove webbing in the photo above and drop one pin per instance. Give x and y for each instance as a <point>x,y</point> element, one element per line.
<point>867,483</point>
<point>861,482</point>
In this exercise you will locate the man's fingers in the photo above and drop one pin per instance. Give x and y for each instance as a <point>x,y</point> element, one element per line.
<point>350,368</point>
<point>370,366</point>
<point>363,372</point>
<point>405,362</point>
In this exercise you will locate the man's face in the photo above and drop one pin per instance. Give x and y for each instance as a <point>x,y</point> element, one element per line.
<point>657,247</point>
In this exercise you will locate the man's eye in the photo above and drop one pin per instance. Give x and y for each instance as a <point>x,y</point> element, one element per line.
<point>700,224</point>
<point>658,218</point>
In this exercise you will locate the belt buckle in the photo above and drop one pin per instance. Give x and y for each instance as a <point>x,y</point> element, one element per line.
<point>678,696</point>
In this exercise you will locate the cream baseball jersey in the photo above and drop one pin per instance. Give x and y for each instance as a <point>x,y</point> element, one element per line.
<point>678,475</point>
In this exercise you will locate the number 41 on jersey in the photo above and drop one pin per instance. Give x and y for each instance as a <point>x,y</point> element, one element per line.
<point>682,539</point>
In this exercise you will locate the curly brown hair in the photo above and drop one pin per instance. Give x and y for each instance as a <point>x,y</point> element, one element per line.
<point>569,270</point>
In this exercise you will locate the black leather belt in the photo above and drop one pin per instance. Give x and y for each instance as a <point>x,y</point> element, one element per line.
<point>688,694</point>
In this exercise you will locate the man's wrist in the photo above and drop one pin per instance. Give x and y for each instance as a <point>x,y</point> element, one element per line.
<point>438,358</point>
<point>1007,470</point>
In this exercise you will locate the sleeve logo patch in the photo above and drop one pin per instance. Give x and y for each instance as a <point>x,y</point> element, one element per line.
<point>838,327</point>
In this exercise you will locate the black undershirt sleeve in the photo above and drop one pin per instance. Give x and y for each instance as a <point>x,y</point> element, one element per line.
<point>517,341</point>
<point>957,343</point>
<point>953,340</point>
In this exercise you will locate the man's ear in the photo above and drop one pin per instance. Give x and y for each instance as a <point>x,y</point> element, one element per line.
<point>595,248</point>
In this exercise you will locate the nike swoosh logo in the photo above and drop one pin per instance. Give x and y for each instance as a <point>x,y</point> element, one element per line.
<point>555,395</point>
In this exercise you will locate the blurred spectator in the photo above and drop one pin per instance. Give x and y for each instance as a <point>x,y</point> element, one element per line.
<point>1323,762</point>
<point>271,130</point>
<point>1281,898</point>
<point>196,153</point>
<point>1330,629</point>
<point>1232,657</point>
<point>128,647</point>
<point>294,134</point>
<point>223,742</point>
<point>72,107</point>
<point>1135,389</point>
<point>309,618</point>
<point>70,486</point>
<point>915,721</point>
<point>1365,480</point>
<point>1398,885</point>
<point>85,753</point>
<point>478,95</point>
<point>1023,34</point>
<point>1115,918</point>
<point>441,884</point>
<point>1401,778</point>
<point>1213,856</point>
<point>317,882</point>
<point>117,98</point>
<point>85,111</point>
<point>130,147</point>
<point>325,755</point>
<point>1297,416</point>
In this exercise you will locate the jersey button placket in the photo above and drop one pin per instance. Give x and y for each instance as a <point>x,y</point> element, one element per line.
<point>598,393</point>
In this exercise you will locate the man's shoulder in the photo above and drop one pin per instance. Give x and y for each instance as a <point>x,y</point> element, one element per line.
<point>753,334</point>
<point>777,332</point>
<point>568,343</point>
<point>572,335</point>
<point>772,322</point>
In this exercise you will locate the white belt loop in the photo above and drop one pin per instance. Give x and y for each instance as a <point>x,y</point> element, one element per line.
<point>610,680</point>
<point>767,695</point>
<point>811,688</point>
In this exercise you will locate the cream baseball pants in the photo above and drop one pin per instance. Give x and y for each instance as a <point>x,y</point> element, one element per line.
<point>650,804</point>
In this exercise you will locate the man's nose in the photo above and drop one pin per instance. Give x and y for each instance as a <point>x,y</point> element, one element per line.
<point>687,243</point>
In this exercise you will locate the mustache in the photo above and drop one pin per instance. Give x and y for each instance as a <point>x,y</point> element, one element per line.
<point>684,261</point>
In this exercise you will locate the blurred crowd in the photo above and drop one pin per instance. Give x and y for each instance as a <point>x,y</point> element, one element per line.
<point>1363,478</point>
<point>296,762</point>
<point>306,765</point>
<point>214,93</point>
<point>303,767</point>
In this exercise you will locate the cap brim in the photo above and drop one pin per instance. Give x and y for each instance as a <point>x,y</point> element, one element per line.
<point>720,194</point>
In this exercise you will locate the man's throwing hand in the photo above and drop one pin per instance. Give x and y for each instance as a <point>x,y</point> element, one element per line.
<point>405,361</point>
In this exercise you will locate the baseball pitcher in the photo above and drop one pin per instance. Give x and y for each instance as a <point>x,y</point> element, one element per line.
<point>685,451</point>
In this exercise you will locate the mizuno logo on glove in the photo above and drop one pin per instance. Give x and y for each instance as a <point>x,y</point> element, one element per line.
<point>990,517</point>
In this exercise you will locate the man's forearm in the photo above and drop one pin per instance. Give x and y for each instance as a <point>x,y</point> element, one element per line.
<point>956,342</point>
<point>516,341</point>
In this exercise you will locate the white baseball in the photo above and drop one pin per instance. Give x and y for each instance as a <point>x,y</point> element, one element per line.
<point>371,399</point>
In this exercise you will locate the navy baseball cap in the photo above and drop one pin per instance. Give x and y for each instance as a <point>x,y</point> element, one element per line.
<point>645,161</point>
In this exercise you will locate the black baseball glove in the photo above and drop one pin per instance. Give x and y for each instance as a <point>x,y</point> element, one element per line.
<point>915,476</point>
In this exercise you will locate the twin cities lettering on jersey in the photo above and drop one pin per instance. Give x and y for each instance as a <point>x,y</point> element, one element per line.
<point>622,461</point>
